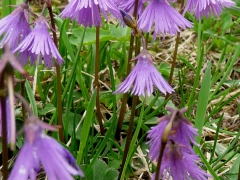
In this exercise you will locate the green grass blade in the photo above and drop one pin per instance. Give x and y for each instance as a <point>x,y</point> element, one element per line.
<point>86,125</point>
<point>31,97</point>
<point>203,101</point>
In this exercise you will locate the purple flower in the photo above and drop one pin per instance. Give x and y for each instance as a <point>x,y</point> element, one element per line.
<point>87,12</point>
<point>207,7</point>
<point>165,18</point>
<point>39,42</point>
<point>182,132</point>
<point>180,164</point>
<point>128,5</point>
<point>40,148</point>
<point>15,27</point>
<point>143,76</point>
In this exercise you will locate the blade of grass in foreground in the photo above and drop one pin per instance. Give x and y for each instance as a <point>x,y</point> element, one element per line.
<point>31,97</point>
<point>86,126</point>
<point>203,101</point>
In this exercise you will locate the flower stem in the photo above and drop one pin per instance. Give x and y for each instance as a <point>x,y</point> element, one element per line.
<point>10,87</point>
<point>24,103</point>
<point>58,76</point>
<point>23,107</point>
<point>175,52</point>
<point>164,141</point>
<point>4,131</point>
<point>159,162</point>
<point>99,115</point>
<point>129,135</point>
<point>124,100</point>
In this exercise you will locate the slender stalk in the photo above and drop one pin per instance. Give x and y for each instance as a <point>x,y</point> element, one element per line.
<point>129,135</point>
<point>159,162</point>
<point>10,88</point>
<point>124,100</point>
<point>175,52</point>
<point>23,95</point>
<point>164,140</point>
<point>58,76</point>
<point>24,103</point>
<point>4,131</point>
<point>99,115</point>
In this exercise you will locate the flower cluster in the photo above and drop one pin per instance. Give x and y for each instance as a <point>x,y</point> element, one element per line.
<point>27,43</point>
<point>179,159</point>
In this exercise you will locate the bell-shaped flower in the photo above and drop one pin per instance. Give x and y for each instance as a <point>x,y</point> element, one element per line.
<point>39,43</point>
<point>143,77</point>
<point>181,131</point>
<point>207,7</point>
<point>39,148</point>
<point>180,164</point>
<point>87,12</point>
<point>15,27</point>
<point>163,17</point>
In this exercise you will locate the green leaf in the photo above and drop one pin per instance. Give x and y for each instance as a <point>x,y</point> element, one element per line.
<point>233,172</point>
<point>101,171</point>
<point>203,101</point>
<point>31,97</point>
<point>86,125</point>
<point>47,109</point>
<point>90,36</point>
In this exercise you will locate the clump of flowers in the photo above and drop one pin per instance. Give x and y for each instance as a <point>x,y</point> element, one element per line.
<point>176,134</point>
<point>42,149</point>
<point>143,77</point>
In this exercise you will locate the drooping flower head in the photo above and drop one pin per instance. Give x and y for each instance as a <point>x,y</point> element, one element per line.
<point>39,148</point>
<point>15,27</point>
<point>164,18</point>
<point>87,12</point>
<point>207,7</point>
<point>180,164</point>
<point>182,131</point>
<point>143,77</point>
<point>39,43</point>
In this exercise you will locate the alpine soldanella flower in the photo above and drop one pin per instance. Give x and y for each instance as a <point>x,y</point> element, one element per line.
<point>87,12</point>
<point>207,7</point>
<point>39,148</point>
<point>164,18</point>
<point>39,43</point>
<point>15,27</point>
<point>128,6</point>
<point>181,131</point>
<point>143,77</point>
<point>179,164</point>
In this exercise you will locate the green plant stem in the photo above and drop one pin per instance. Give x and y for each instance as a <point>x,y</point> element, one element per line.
<point>124,100</point>
<point>58,76</point>
<point>99,115</point>
<point>129,135</point>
